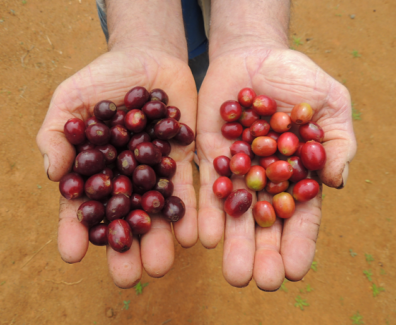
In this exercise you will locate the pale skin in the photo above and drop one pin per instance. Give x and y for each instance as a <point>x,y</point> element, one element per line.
<point>147,47</point>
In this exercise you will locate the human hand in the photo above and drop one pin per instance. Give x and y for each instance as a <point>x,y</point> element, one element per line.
<point>150,64</point>
<point>287,248</point>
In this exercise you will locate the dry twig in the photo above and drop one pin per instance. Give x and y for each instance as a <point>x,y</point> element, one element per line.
<point>36,253</point>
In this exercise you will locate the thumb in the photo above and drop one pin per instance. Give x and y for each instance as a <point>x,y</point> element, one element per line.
<point>58,153</point>
<point>340,142</point>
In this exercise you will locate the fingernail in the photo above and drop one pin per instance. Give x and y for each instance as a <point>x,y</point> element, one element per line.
<point>46,165</point>
<point>345,174</point>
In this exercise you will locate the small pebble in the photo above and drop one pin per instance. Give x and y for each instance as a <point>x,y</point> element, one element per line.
<point>109,312</point>
<point>352,16</point>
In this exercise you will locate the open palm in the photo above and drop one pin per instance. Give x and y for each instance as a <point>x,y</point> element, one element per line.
<point>287,248</point>
<point>110,77</point>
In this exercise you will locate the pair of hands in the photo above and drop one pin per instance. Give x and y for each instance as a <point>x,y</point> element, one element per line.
<point>267,254</point>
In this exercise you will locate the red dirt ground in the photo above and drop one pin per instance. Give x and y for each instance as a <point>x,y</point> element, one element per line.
<point>43,44</point>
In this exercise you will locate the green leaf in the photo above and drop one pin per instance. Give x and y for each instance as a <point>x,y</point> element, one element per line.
<point>356,54</point>
<point>139,288</point>
<point>39,187</point>
<point>369,258</point>
<point>368,274</point>
<point>301,303</point>
<point>368,181</point>
<point>297,41</point>
<point>357,319</point>
<point>353,254</point>
<point>377,290</point>
<point>308,288</point>
<point>126,304</point>
<point>283,286</point>
<point>314,266</point>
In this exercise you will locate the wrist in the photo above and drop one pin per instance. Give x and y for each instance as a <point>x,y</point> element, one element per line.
<point>155,25</point>
<point>248,23</point>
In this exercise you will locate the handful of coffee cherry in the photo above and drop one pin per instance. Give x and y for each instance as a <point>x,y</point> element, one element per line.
<point>123,166</point>
<point>284,163</point>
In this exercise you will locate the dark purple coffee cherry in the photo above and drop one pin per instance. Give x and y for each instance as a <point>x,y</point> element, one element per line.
<point>98,134</point>
<point>136,98</point>
<point>163,145</point>
<point>98,234</point>
<point>147,153</point>
<point>85,146</point>
<point>166,168</point>
<point>166,129</point>
<point>136,139</point>
<point>74,130</point>
<point>98,186</point>
<point>122,185</point>
<point>154,110</point>
<point>159,94</point>
<point>71,186</point>
<point>136,201</point>
<point>119,136</point>
<point>174,209</point>
<point>185,135</point>
<point>117,207</point>
<point>109,152</point>
<point>164,186</point>
<point>143,178</point>
<point>118,119</point>
<point>89,162</point>
<point>139,221</point>
<point>173,112</point>
<point>119,235</point>
<point>90,213</point>
<point>152,202</point>
<point>126,162</point>
<point>105,110</point>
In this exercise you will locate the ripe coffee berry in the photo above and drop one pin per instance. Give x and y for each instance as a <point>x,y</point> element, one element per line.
<point>237,203</point>
<point>222,187</point>
<point>105,110</point>
<point>230,111</point>
<point>75,131</point>
<point>71,186</point>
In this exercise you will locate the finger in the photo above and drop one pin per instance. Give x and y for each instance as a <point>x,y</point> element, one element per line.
<point>185,229</point>
<point>299,237</point>
<point>125,268</point>
<point>239,245</point>
<point>211,144</point>
<point>268,271</point>
<point>157,248</point>
<point>211,220</point>
<point>339,141</point>
<point>72,234</point>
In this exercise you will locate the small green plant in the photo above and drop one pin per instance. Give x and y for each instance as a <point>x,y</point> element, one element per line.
<point>126,304</point>
<point>308,288</point>
<point>357,319</point>
<point>314,266</point>
<point>368,275</point>
<point>342,300</point>
<point>353,254</point>
<point>301,303</point>
<point>139,288</point>
<point>39,186</point>
<point>356,54</point>
<point>297,41</point>
<point>377,290</point>
<point>368,181</point>
<point>356,115</point>
<point>283,286</point>
<point>24,2</point>
<point>369,258</point>
<point>323,196</point>
<point>2,283</point>
<point>382,272</point>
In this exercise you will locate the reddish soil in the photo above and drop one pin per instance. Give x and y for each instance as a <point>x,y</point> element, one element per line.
<point>45,42</point>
